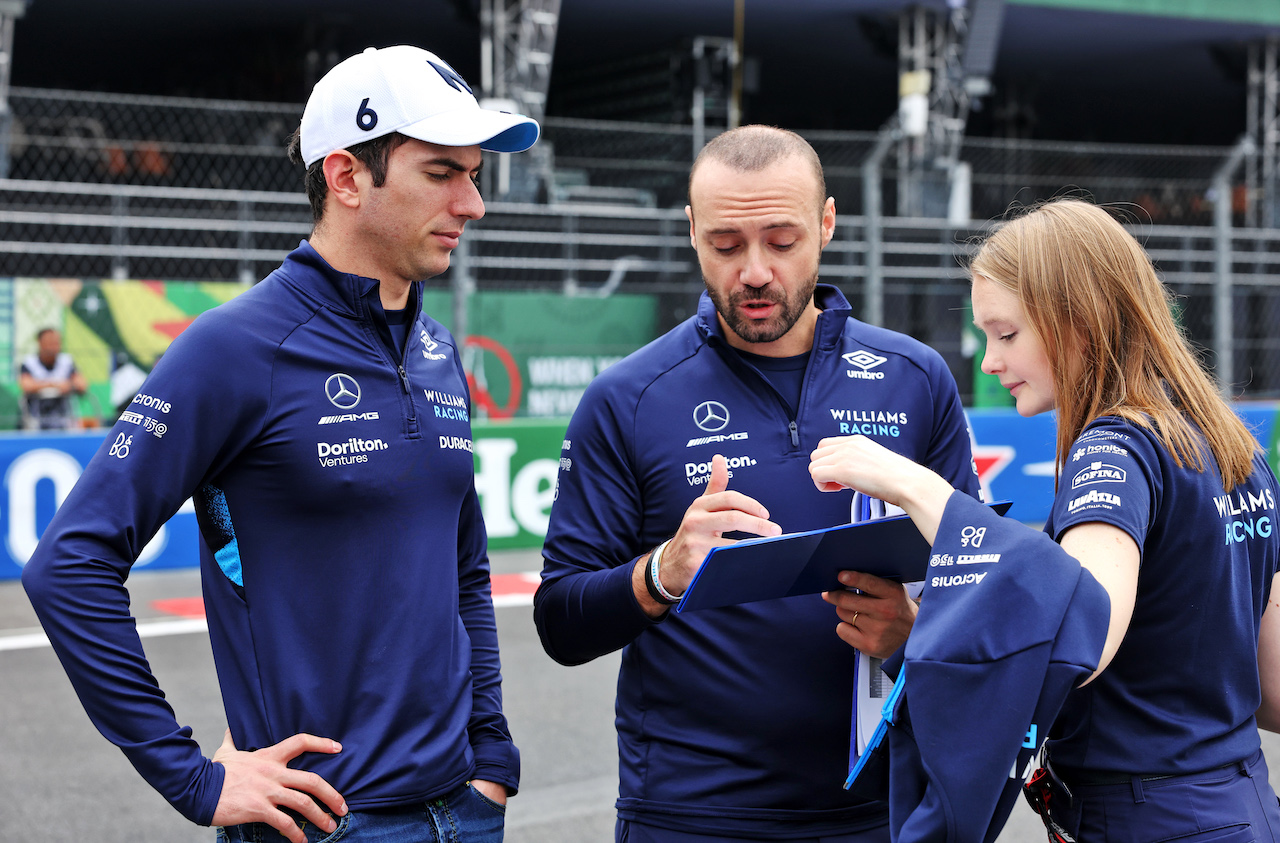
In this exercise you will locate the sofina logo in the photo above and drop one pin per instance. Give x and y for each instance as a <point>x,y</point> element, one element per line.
<point>864,361</point>
<point>1098,472</point>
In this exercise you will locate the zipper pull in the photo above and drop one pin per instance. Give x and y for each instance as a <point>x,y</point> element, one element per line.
<point>795,432</point>
<point>404,380</point>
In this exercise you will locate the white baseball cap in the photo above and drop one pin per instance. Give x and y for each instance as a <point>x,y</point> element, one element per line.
<point>407,90</point>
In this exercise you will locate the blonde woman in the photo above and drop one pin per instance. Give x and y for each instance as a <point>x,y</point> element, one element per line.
<point>1163,496</point>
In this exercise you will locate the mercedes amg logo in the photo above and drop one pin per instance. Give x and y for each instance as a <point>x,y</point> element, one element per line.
<point>711,416</point>
<point>343,391</point>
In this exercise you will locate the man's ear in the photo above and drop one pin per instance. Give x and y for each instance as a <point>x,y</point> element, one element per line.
<point>828,220</point>
<point>340,171</point>
<point>693,235</point>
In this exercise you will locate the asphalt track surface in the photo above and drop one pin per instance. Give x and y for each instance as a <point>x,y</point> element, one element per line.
<point>61,781</point>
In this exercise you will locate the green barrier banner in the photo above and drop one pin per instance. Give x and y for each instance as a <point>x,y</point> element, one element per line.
<point>532,354</point>
<point>516,467</point>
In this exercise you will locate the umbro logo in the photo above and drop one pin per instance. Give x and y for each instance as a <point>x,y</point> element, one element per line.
<point>864,361</point>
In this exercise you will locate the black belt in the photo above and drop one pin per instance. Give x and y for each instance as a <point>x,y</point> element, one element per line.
<point>1088,778</point>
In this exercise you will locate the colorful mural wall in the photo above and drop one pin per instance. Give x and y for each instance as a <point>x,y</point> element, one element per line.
<point>115,330</point>
<point>529,354</point>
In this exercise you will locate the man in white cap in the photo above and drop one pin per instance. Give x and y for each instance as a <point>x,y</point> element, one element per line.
<point>343,555</point>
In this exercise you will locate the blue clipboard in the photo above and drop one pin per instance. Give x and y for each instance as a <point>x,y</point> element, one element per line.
<point>808,563</point>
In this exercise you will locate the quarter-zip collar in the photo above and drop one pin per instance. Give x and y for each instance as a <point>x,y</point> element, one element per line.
<point>344,292</point>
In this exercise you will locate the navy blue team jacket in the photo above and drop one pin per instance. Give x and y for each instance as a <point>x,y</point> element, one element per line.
<point>731,720</point>
<point>1009,623</point>
<point>343,554</point>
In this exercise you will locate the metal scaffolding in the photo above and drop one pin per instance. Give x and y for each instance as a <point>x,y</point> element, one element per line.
<point>517,42</point>
<point>945,63</point>
<point>10,11</point>
<point>1262,202</point>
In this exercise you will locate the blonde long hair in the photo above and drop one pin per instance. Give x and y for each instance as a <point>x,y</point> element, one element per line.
<point>1091,294</point>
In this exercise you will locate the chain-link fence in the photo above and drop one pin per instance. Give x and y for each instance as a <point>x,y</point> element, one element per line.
<point>123,139</point>
<point>98,138</point>
<point>108,186</point>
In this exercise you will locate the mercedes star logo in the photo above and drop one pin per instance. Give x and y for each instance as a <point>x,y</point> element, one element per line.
<point>711,416</point>
<point>343,391</point>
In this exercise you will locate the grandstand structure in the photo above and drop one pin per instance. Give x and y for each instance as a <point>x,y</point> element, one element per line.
<point>144,186</point>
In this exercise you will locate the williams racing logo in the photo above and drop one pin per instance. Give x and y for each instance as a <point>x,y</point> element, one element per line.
<point>448,406</point>
<point>869,422</point>
<point>1098,472</point>
<point>429,347</point>
<point>863,362</point>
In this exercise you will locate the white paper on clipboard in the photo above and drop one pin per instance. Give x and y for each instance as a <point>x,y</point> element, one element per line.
<point>872,688</point>
<point>871,685</point>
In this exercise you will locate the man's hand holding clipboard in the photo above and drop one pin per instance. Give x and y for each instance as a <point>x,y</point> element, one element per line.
<point>663,576</point>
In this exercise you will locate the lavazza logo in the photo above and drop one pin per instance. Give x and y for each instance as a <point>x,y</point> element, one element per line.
<point>1094,500</point>
<point>343,392</point>
<point>865,361</point>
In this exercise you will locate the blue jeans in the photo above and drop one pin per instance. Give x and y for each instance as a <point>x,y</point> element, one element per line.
<point>464,815</point>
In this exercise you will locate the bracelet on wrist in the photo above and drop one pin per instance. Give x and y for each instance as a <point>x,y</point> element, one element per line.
<point>653,582</point>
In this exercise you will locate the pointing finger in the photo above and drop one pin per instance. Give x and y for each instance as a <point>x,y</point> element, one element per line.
<point>719,480</point>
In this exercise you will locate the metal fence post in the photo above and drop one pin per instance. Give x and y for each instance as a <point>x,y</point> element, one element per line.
<point>119,237</point>
<point>1223,317</point>
<point>569,224</point>
<point>873,301</point>
<point>244,240</point>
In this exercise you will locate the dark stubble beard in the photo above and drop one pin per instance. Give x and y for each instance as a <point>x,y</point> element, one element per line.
<point>769,330</point>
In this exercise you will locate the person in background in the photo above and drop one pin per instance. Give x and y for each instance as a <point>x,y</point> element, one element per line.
<point>48,380</point>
